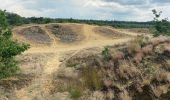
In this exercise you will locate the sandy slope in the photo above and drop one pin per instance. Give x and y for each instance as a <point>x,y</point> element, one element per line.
<point>57,49</point>
<point>91,40</point>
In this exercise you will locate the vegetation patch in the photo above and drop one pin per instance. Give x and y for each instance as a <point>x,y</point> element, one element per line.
<point>139,30</point>
<point>125,72</point>
<point>17,82</point>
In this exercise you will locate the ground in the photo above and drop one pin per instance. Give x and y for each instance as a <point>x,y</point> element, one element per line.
<point>47,53</point>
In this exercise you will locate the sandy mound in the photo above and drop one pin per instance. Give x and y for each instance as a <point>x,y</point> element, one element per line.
<point>67,33</point>
<point>35,34</point>
<point>108,32</point>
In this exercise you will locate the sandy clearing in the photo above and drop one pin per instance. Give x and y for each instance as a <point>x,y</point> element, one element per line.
<point>41,84</point>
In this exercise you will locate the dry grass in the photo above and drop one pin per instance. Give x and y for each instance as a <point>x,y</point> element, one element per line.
<point>124,96</point>
<point>18,82</point>
<point>74,87</point>
<point>92,78</point>
<point>128,70</point>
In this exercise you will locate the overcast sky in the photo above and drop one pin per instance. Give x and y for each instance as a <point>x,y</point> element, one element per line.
<point>129,10</point>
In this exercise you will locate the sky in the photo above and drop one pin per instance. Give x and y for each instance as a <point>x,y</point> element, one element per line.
<point>124,10</point>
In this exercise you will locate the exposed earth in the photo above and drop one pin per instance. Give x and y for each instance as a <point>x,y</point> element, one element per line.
<point>51,46</point>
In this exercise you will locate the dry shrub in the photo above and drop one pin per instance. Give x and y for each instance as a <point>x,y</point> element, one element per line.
<point>159,49</point>
<point>67,72</point>
<point>124,96</point>
<point>96,95</point>
<point>156,41</point>
<point>74,87</point>
<point>92,78</point>
<point>149,69</point>
<point>133,47</point>
<point>163,77</point>
<point>17,82</point>
<point>146,82</point>
<point>136,44</point>
<point>161,83</point>
<point>147,49</point>
<point>138,57</point>
<point>158,91</point>
<point>128,70</point>
<point>167,47</point>
<point>59,86</point>
<point>110,95</point>
<point>119,55</point>
<point>108,83</point>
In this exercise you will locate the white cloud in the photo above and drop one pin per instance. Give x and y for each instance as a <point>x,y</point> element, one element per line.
<point>134,10</point>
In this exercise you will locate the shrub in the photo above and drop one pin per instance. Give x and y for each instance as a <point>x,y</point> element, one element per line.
<point>92,78</point>
<point>75,87</point>
<point>135,46</point>
<point>149,68</point>
<point>138,57</point>
<point>147,49</point>
<point>76,91</point>
<point>118,56</point>
<point>162,27</point>
<point>106,54</point>
<point>9,49</point>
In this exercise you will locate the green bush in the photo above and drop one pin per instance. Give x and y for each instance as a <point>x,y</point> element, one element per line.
<point>106,54</point>
<point>162,27</point>
<point>76,91</point>
<point>8,49</point>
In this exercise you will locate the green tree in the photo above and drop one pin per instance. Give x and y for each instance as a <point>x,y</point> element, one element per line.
<point>14,19</point>
<point>162,27</point>
<point>8,49</point>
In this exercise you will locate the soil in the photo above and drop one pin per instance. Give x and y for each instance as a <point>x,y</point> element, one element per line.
<point>67,33</point>
<point>35,34</point>
<point>108,32</point>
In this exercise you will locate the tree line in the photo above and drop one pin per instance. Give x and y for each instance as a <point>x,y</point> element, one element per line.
<point>15,19</point>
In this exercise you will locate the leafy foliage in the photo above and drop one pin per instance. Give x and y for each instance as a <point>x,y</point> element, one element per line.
<point>9,49</point>
<point>162,26</point>
<point>106,54</point>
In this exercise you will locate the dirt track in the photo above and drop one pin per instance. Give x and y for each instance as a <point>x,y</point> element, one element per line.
<point>57,49</point>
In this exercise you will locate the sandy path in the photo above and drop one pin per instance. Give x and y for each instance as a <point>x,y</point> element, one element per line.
<point>91,40</point>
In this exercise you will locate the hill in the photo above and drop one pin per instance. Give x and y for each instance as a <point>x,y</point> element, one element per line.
<point>80,61</point>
